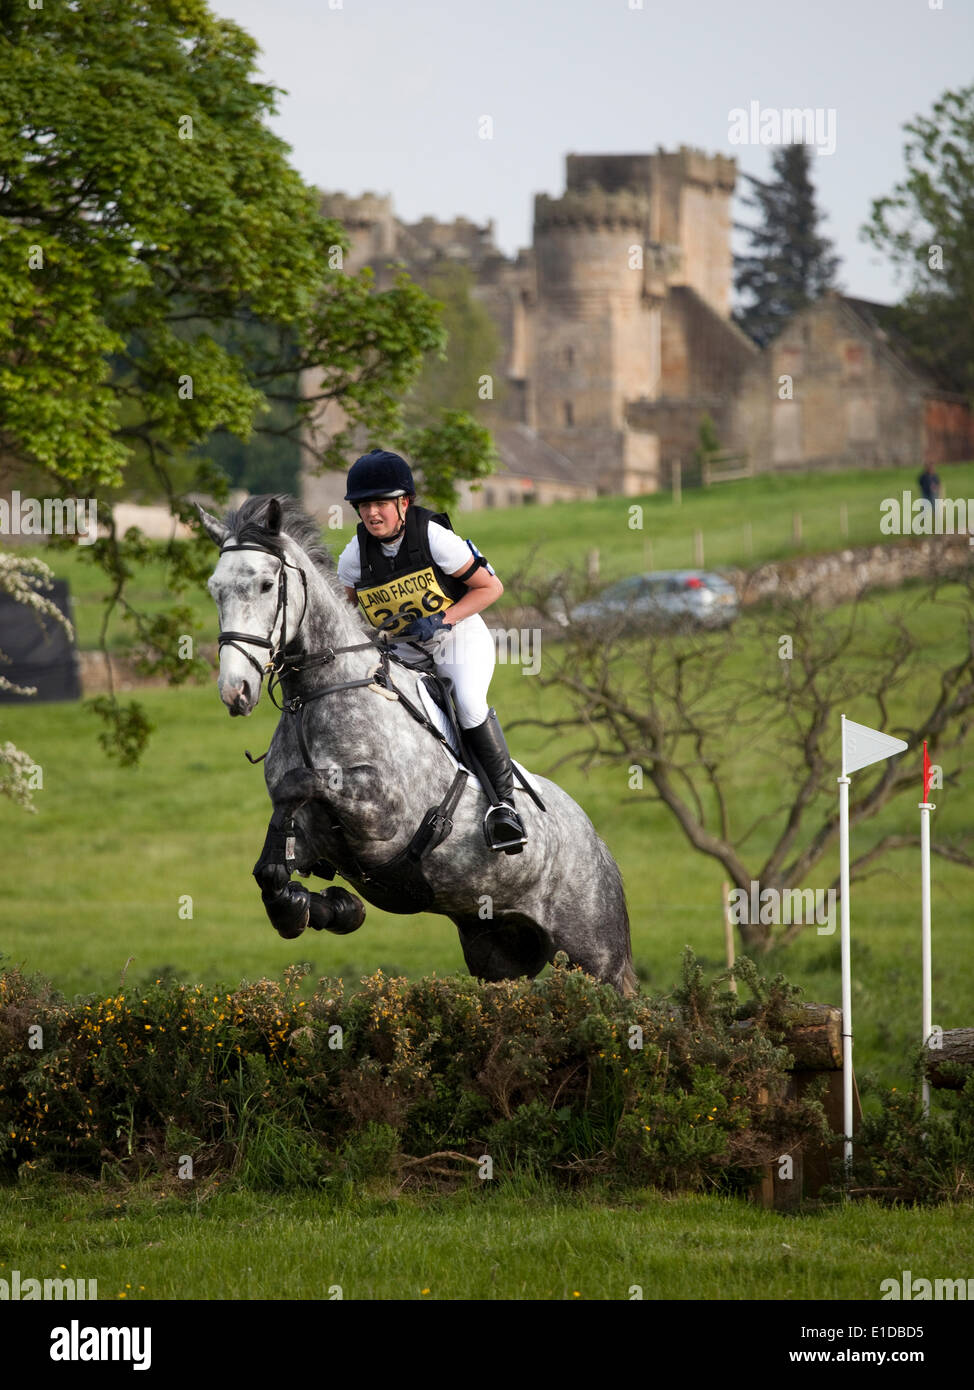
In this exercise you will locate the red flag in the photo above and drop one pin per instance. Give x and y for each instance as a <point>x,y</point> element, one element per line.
<point>926,773</point>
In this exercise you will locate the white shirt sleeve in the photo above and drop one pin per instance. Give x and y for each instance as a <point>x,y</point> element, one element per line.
<point>448,549</point>
<point>349,566</point>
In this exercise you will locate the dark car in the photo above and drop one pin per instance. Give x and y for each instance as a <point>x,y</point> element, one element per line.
<point>664,599</point>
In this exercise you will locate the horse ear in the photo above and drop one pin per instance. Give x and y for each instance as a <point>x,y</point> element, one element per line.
<point>273,518</point>
<point>214,529</point>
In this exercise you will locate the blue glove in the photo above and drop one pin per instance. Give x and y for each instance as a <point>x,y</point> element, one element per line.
<point>422,629</point>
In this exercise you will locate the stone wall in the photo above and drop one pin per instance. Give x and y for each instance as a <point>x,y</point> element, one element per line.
<point>841,575</point>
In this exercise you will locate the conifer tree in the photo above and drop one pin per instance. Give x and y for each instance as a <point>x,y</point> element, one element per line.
<point>789,263</point>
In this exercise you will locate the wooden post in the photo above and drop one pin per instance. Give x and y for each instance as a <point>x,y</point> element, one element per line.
<point>698,549</point>
<point>796,528</point>
<point>593,564</point>
<point>728,932</point>
<point>677,482</point>
<point>843,520</point>
<point>749,535</point>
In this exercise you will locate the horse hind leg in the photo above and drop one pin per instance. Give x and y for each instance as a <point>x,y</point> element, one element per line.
<point>510,947</point>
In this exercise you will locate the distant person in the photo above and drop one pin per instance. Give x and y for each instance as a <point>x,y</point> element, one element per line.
<point>929,483</point>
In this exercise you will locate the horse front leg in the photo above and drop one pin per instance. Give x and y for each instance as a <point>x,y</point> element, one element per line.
<point>291,907</point>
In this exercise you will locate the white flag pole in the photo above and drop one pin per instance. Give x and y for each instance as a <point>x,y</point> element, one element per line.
<point>846,947</point>
<point>861,747</point>
<point>925,937</point>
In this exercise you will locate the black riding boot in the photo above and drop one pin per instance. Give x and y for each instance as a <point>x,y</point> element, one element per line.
<point>503,828</point>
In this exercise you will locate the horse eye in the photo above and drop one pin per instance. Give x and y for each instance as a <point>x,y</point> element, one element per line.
<point>266,586</point>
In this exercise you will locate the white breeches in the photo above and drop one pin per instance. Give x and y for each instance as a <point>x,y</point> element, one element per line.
<point>467,655</point>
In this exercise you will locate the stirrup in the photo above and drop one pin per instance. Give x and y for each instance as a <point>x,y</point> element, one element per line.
<point>512,843</point>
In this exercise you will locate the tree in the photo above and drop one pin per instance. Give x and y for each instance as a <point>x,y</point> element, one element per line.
<point>451,379</point>
<point>924,225</point>
<point>148,221</point>
<point>789,264</point>
<point>699,721</point>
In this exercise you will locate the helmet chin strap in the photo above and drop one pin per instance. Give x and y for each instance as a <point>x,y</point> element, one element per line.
<point>400,513</point>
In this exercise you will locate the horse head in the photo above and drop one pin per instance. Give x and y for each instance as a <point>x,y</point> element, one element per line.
<point>261,594</point>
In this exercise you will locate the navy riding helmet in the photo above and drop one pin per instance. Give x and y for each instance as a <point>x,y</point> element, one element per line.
<point>379,474</point>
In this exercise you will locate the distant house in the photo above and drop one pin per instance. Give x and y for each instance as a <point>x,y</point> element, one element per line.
<point>839,387</point>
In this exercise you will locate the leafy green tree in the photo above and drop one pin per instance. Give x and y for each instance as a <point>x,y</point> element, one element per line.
<point>451,378</point>
<point>789,264</point>
<point>924,225</point>
<point>446,406</point>
<point>148,220</point>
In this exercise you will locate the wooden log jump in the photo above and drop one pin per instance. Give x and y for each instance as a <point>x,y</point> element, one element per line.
<point>815,1041</point>
<point>956,1046</point>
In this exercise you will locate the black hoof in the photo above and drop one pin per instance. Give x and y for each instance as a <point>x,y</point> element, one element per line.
<point>288,910</point>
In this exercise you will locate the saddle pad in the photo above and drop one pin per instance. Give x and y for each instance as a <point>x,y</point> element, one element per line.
<point>439,721</point>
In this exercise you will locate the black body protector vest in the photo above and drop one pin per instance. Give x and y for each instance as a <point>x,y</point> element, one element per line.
<point>394,590</point>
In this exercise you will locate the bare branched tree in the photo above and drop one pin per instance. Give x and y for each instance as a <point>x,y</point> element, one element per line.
<point>705,721</point>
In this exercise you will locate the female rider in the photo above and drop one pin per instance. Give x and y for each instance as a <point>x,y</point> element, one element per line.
<point>415,579</point>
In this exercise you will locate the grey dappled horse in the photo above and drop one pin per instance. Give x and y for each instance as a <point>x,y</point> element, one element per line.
<point>351,775</point>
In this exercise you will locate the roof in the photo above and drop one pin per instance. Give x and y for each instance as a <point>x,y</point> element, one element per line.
<point>881,321</point>
<point>524,454</point>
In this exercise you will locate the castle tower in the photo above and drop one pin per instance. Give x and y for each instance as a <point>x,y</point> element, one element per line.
<point>596,338</point>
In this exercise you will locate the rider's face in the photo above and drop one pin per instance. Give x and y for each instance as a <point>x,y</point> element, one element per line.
<point>381,515</point>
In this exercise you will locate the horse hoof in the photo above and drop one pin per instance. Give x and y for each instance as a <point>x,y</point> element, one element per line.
<point>289,910</point>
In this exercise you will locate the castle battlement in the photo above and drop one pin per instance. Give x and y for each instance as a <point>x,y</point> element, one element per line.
<point>591,208</point>
<point>363,211</point>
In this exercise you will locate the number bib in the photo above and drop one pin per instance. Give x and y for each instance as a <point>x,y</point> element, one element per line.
<point>398,602</point>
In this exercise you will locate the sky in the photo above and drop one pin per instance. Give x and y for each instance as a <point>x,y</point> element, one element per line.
<point>389,96</point>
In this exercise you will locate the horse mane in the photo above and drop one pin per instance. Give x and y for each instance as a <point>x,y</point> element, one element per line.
<point>248,526</point>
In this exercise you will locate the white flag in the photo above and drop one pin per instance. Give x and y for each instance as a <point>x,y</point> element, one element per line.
<point>862,746</point>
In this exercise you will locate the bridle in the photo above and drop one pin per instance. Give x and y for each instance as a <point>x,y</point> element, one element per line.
<point>275,662</point>
<point>280,665</point>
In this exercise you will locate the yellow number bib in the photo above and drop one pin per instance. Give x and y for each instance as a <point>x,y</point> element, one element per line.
<point>395,604</point>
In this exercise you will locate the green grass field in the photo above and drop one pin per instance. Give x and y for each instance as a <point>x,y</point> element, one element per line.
<point>107,868</point>
<point>497,1242</point>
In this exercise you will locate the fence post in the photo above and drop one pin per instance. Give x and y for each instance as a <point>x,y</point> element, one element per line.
<point>796,528</point>
<point>843,520</point>
<point>593,564</point>
<point>698,549</point>
<point>677,482</point>
<point>728,933</point>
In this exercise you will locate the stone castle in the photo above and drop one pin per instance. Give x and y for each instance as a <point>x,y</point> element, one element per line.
<point>617,339</point>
